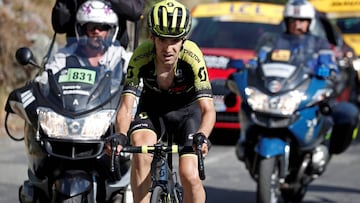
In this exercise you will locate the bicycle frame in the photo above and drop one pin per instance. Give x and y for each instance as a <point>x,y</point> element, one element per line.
<point>162,173</point>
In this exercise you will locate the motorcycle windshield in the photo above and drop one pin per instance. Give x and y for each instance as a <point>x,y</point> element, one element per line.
<point>81,89</point>
<point>284,71</point>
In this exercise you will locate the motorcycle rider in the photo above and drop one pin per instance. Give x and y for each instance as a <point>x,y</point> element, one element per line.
<point>299,19</point>
<point>63,17</point>
<point>176,91</point>
<point>96,29</point>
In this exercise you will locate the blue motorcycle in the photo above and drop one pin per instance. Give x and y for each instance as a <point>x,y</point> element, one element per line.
<point>285,119</point>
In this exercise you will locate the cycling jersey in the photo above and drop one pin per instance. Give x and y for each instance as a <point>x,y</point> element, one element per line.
<point>191,81</point>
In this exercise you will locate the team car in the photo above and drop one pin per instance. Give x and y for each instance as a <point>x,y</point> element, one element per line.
<point>226,31</point>
<point>231,30</point>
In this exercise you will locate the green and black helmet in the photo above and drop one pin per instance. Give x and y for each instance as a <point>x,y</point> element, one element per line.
<point>169,19</point>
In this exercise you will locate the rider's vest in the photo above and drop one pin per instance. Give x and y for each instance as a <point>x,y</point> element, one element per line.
<point>72,61</point>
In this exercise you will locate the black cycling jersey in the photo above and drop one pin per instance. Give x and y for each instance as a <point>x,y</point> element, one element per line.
<point>191,81</point>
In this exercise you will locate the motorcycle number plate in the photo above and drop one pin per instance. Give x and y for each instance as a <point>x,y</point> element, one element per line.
<point>78,75</point>
<point>281,55</point>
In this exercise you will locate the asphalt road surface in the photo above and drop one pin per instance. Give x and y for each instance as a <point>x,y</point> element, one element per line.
<point>226,178</point>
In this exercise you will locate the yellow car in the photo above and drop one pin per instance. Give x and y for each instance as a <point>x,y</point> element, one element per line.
<point>346,16</point>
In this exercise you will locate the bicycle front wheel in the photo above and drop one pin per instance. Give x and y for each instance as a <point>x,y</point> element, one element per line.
<point>158,195</point>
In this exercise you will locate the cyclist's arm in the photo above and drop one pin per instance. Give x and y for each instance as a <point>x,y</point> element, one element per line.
<point>124,115</point>
<point>208,115</point>
<point>193,56</point>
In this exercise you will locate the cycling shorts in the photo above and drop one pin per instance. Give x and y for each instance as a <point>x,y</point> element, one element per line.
<point>181,124</point>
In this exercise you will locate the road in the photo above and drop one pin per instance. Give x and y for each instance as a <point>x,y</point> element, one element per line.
<point>226,178</point>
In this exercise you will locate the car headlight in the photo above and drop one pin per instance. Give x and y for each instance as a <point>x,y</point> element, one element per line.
<point>284,105</point>
<point>57,126</point>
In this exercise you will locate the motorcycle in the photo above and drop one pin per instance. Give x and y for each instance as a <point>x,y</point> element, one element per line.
<point>67,121</point>
<point>285,119</point>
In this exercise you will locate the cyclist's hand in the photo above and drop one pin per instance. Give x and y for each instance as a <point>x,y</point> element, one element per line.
<point>116,142</point>
<point>200,140</point>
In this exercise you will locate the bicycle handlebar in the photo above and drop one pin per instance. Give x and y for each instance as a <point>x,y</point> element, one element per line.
<point>201,166</point>
<point>114,162</point>
<point>170,149</point>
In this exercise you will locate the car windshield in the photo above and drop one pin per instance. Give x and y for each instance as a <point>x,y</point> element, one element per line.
<point>216,33</point>
<point>349,25</point>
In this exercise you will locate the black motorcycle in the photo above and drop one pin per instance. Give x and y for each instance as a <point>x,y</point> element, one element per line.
<point>67,121</point>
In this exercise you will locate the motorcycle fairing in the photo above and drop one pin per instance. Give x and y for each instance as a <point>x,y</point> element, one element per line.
<point>104,94</point>
<point>270,147</point>
<point>73,98</point>
<point>316,87</point>
<point>308,126</point>
<point>73,183</point>
<point>22,101</point>
<point>263,79</point>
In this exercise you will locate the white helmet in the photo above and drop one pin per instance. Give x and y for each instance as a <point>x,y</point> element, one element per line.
<point>300,9</point>
<point>96,11</point>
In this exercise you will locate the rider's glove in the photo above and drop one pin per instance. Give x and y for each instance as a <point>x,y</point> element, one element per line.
<point>118,139</point>
<point>252,63</point>
<point>200,138</point>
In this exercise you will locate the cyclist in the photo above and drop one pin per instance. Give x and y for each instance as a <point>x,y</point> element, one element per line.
<point>176,95</point>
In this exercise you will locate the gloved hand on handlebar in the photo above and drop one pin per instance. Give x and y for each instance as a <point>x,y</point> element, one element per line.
<point>200,139</point>
<point>116,141</point>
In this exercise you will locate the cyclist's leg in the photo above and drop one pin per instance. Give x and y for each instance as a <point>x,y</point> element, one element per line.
<point>142,132</point>
<point>193,189</point>
<point>184,123</point>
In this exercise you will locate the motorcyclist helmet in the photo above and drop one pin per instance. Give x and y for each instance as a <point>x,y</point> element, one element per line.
<point>169,19</point>
<point>299,9</point>
<point>96,12</point>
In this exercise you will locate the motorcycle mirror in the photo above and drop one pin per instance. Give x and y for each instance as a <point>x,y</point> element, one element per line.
<point>25,56</point>
<point>230,100</point>
<point>231,85</point>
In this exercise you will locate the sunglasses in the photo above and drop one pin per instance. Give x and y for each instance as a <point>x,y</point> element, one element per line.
<point>97,26</point>
<point>292,20</point>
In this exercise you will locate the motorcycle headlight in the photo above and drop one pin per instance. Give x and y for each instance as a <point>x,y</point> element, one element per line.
<point>284,105</point>
<point>92,126</point>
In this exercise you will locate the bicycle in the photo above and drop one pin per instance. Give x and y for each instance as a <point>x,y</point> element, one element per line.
<point>165,185</point>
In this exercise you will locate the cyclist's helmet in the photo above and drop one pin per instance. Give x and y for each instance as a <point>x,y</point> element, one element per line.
<point>300,9</point>
<point>169,19</point>
<point>99,12</point>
